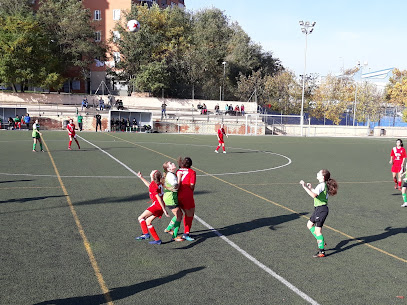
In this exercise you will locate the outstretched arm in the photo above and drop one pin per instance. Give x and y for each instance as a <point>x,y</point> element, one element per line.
<point>143,179</point>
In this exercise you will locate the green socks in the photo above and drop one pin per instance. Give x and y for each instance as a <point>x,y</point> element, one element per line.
<point>321,242</point>
<point>404,198</point>
<point>172,223</point>
<point>34,145</point>
<point>313,231</point>
<point>177,224</point>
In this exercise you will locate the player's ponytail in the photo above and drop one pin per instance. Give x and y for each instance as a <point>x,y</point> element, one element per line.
<point>331,183</point>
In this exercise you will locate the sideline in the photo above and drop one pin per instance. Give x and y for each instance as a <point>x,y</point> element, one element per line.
<point>86,243</point>
<point>232,244</point>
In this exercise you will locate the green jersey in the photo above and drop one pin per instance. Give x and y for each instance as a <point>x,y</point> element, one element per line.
<point>170,197</point>
<point>80,118</point>
<point>322,198</point>
<point>36,129</point>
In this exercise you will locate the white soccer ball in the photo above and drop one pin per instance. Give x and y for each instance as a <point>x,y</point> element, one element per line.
<point>133,26</point>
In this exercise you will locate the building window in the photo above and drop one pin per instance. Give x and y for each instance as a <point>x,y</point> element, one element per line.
<point>116,36</point>
<point>116,14</point>
<point>76,85</point>
<point>98,15</point>
<point>116,56</point>
<point>98,36</point>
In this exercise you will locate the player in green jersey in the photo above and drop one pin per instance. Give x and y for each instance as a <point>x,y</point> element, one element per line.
<point>170,183</point>
<point>36,135</point>
<point>326,187</point>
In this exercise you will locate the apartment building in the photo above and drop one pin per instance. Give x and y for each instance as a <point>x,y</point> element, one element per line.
<point>107,13</point>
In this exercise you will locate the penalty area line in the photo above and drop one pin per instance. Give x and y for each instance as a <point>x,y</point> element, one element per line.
<point>228,241</point>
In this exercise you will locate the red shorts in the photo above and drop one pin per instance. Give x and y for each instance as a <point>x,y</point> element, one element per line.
<point>186,203</point>
<point>396,168</point>
<point>72,135</point>
<point>221,141</point>
<point>156,209</point>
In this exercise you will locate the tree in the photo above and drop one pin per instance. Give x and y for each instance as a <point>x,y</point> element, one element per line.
<point>332,98</point>
<point>71,35</point>
<point>25,57</point>
<point>282,92</point>
<point>396,90</point>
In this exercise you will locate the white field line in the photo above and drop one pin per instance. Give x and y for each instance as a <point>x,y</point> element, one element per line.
<point>232,244</point>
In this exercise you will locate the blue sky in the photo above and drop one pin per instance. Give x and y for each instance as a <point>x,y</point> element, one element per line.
<point>345,32</point>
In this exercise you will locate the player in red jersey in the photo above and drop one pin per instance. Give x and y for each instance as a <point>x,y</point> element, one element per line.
<point>186,181</point>
<point>156,209</point>
<point>71,133</point>
<point>397,157</point>
<point>221,133</point>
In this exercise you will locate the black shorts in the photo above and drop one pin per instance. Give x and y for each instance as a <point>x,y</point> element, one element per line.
<point>405,184</point>
<point>319,215</point>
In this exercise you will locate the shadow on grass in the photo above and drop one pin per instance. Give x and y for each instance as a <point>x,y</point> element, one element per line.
<point>389,231</point>
<point>271,222</point>
<point>121,292</point>
<point>28,199</point>
<point>12,181</point>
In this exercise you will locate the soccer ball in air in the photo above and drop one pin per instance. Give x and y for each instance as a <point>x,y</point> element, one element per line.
<point>133,25</point>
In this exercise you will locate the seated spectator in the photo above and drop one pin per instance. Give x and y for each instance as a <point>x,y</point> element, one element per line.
<point>101,104</point>
<point>217,109</point>
<point>10,123</point>
<point>199,106</point>
<point>17,122</point>
<point>134,124</point>
<point>237,109</point>
<point>204,109</point>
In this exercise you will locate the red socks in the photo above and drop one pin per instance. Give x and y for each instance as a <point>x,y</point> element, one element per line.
<point>187,224</point>
<point>143,226</point>
<point>153,232</point>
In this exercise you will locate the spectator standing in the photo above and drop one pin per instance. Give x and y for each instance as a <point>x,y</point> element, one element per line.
<point>80,119</point>
<point>242,109</point>
<point>163,110</point>
<point>85,103</point>
<point>27,120</point>
<point>98,122</point>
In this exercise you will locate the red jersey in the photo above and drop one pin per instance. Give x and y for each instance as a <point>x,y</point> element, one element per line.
<point>185,193</point>
<point>221,132</point>
<point>155,189</point>
<point>71,129</point>
<point>398,154</point>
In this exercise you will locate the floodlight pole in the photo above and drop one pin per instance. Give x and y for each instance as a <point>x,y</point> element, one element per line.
<point>223,81</point>
<point>306,28</point>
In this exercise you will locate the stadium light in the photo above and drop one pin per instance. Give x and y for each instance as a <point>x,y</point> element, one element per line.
<point>306,28</point>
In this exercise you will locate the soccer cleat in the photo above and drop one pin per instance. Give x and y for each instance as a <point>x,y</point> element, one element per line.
<point>399,188</point>
<point>34,150</point>
<point>179,238</point>
<point>320,253</point>
<point>42,150</point>
<point>224,152</point>
<point>155,242</point>
<point>404,205</point>
<point>69,148</point>
<point>187,237</point>
<point>144,236</point>
<point>169,231</point>
<point>216,151</point>
<point>396,186</point>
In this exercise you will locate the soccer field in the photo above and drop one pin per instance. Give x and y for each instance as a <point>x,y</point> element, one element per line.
<point>69,218</point>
